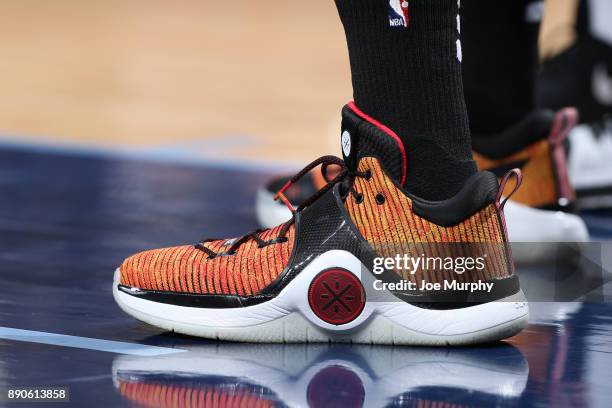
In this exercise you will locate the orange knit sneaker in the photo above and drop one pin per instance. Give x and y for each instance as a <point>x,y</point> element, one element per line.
<point>536,145</point>
<point>539,153</point>
<point>361,260</point>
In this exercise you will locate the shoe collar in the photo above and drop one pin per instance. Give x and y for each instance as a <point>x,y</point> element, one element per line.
<point>363,136</point>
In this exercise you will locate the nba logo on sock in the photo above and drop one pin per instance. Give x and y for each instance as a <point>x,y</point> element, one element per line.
<point>398,13</point>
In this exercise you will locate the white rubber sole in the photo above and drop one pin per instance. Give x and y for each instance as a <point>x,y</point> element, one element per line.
<point>526,224</point>
<point>539,236</point>
<point>288,317</point>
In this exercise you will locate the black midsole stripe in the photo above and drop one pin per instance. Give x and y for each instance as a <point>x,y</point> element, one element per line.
<point>440,300</point>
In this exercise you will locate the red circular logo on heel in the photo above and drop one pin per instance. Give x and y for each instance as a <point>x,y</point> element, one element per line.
<point>336,296</point>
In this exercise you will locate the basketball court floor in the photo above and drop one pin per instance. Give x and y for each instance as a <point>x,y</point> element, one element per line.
<point>69,218</point>
<point>128,125</point>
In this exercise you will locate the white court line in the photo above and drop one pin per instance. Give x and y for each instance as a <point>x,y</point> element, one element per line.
<point>88,343</point>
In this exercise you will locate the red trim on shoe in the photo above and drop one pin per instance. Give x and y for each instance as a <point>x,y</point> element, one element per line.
<point>385,129</point>
<point>281,195</point>
<point>564,122</point>
<point>502,204</point>
<point>502,186</point>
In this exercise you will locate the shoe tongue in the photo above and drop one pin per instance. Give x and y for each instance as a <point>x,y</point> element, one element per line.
<point>363,136</point>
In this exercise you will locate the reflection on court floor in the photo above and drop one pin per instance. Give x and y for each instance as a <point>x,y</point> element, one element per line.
<point>322,375</point>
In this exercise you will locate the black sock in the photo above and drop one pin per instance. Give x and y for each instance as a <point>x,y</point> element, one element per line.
<point>409,78</point>
<point>500,44</point>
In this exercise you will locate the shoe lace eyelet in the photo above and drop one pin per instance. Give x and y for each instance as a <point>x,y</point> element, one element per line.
<point>368,174</point>
<point>359,199</point>
<point>380,199</point>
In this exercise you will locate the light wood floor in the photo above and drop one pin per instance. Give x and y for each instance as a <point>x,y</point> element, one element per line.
<point>153,73</point>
